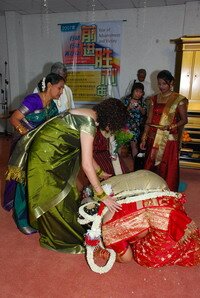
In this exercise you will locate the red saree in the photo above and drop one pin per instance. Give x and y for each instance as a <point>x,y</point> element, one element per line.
<point>162,147</point>
<point>172,238</point>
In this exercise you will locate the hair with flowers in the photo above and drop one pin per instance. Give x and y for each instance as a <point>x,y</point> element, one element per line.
<point>52,78</point>
<point>43,84</point>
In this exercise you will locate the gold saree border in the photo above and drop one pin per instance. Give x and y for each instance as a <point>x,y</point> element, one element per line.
<point>162,136</point>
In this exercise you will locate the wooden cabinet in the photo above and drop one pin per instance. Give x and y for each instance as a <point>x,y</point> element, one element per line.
<point>187,83</point>
<point>190,151</point>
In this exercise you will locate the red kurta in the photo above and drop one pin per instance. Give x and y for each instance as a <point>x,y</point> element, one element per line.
<point>102,155</point>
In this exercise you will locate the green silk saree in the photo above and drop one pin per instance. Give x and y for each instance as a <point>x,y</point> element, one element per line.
<point>48,158</point>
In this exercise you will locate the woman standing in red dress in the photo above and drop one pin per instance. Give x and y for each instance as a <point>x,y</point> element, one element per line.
<point>163,130</point>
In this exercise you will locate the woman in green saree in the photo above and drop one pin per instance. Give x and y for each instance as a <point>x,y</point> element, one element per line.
<point>48,160</point>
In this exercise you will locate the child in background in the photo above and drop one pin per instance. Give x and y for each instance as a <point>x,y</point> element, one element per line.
<point>137,109</point>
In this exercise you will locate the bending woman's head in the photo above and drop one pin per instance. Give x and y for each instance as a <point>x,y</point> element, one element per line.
<point>111,114</point>
<point>52,79</point>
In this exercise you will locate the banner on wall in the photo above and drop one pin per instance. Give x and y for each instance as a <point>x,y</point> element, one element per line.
<point>92,54</point>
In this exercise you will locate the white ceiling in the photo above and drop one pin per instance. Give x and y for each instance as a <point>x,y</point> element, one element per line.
<point>56,6</point>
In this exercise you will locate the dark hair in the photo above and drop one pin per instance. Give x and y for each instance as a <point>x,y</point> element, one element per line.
<point>142,70</point>
<point>52,78</point>
<point>166,76</point>
<point>137,85</point>
<point>111,113</point>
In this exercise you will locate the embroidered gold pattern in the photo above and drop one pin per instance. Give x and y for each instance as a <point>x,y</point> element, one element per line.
<point>15,173</point>
<point>135,223</point>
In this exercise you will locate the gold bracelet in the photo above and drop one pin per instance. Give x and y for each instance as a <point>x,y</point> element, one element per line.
<point>21,129</point>
<point>100,196</point>
<point>99,172</point>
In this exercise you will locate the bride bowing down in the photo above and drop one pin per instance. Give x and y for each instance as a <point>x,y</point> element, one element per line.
<point>151,227</point>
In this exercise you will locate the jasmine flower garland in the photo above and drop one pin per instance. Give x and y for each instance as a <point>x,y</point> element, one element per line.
<point>93,238</point>
<point>43,84</point>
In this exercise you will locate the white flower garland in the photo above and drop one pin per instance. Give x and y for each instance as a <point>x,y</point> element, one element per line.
<point>96,268</point>
<point>86,217</point>
<point>150,195</point>
<point>95,232</point>
<point>43,84</point>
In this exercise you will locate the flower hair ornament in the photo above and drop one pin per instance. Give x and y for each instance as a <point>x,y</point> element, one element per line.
<point>43,84</point>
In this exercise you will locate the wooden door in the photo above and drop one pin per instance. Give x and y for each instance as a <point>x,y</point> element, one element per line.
<point>195,86</point>
<point>186,73</point>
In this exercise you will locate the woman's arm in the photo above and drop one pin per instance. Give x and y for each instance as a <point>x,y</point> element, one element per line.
<point>183,119</point>
<point>142,110</point>
<point>99,172</point>
<point>88,166</point>
<point>182,110</point>
<point>15,121</point>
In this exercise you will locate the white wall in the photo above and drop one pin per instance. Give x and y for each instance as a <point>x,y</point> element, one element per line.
<point>3,68</point>
<point>3,47</point>
<point>145,41</point>
<point>34,42</point>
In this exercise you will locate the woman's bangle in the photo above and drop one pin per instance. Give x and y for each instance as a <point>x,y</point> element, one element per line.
<point>99,172</point>
<point>101,196</point>
<point>173,126</point>
<point>21,129</point>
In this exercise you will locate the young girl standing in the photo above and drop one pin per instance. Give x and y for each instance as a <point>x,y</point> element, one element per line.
<point>137,109</point>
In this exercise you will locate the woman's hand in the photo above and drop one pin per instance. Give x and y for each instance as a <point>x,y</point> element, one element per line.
<point>165,127</point>
<point>142,110</point>
<point>143,145</point>
<point>15,121</point>
<point>111,203</point>
<point>173,128</point>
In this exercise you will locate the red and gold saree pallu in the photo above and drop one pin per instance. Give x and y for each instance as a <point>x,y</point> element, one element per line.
<point>172,238</point>
<point>167,118</point>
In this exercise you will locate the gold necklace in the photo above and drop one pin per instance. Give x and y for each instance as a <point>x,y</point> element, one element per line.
<point>164,97</point>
